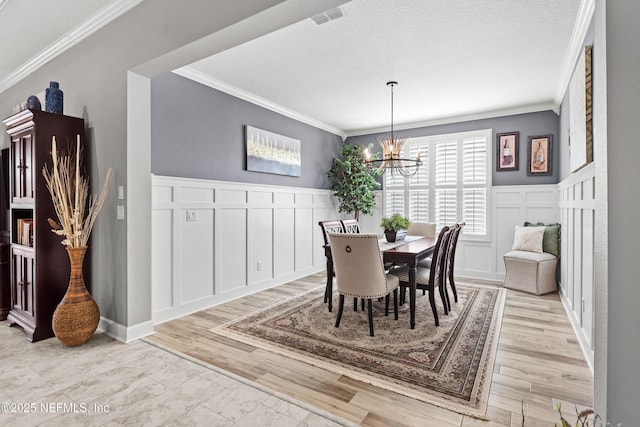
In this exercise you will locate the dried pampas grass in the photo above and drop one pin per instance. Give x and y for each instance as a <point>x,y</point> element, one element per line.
<point>76,210</point>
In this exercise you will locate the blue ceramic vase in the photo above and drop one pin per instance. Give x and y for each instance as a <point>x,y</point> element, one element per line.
<point>53,98</point>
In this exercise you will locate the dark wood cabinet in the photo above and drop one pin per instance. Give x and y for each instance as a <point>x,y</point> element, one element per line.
<point>39,265</point>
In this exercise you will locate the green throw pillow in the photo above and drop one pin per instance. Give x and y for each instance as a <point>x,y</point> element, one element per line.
<point>551,238</point>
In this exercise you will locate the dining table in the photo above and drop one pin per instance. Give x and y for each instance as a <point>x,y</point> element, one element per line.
<point>405,252</point>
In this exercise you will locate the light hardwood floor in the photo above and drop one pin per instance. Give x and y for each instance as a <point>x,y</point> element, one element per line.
<point>538,365</point>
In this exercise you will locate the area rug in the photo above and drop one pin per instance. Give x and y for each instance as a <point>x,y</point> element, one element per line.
<point>449,366</point>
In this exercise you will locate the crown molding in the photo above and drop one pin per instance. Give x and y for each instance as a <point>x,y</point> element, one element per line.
<point>197,76</point>
<point>459,119</point>
<point>576,44</point>
<point>105,15</point>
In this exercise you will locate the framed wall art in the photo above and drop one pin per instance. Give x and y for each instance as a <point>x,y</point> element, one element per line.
<point>539,152</point>
<point>581,113</point>
<point>507,151</point>
<point>272,153</point>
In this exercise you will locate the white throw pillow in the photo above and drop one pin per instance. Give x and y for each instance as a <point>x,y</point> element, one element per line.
<point>528,239</point>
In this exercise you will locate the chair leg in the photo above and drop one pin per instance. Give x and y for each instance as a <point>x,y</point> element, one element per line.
<point>370,309</point>
<point>386,305</point>
<point>340,307</point>
<point>453,286</point>
<point>402,294</point>
<point>395,303</point>
<point>444,299</point>
<point>363,303</point>
<point>355,304</point>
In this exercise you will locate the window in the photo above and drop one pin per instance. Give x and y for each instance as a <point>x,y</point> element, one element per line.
<point>452,185</point>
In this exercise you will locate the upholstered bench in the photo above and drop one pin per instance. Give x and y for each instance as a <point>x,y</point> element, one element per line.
<point>530,272</point>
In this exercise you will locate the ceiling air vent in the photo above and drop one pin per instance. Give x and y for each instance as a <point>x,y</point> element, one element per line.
<point>327,16</point>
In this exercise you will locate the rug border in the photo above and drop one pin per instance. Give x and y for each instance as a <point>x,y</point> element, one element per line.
<point>483,397</point>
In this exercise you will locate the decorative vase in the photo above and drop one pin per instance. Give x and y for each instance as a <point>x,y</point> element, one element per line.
<point>53,98</point>
<point>33,103</point>
<point>395,236</point>
<point>76,317</point>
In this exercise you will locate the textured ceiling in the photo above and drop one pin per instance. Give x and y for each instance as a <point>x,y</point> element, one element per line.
<point>451,59</point>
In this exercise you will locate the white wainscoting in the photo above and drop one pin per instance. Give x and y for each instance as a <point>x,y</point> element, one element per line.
<point>577,210</point>
<point>214,241</point>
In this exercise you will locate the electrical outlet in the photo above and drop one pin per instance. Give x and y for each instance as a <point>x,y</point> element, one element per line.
<point>191,215</point>
<point>120,212</point>
<point>259,266</point>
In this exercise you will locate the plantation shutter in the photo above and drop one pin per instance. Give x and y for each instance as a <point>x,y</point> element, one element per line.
<point>474,180</point>
<point>419,184</point>
<point>446,182</point>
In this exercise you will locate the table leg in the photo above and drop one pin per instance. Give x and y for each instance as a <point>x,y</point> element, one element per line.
<point>412,295</point>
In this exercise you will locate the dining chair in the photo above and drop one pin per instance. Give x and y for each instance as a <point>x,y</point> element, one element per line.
<point>431,278</point>
<point>360,272</point>
<point>350,226</point>
<point>427,229</point>
<point>451,257</point>
<point>333,226</point>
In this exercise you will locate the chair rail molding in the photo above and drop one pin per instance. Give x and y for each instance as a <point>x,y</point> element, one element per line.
<point>214,241</point>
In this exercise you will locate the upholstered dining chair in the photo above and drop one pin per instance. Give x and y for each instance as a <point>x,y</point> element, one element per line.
<point>352,226</point>
<point>432,277</point>
<point>360,272</point>
<point>427,229</point>
<point>334,226</point>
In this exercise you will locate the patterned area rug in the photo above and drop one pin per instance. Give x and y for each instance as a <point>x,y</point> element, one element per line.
<point>449,366</point>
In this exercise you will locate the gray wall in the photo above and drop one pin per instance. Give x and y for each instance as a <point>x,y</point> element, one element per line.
<point>198,132</point>
<point>623,151</point>
<point>563,146</point>
<point>93,76</point>
<point>530,124</point>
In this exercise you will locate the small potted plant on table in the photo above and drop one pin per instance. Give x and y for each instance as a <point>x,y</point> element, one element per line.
<point>395,227</point>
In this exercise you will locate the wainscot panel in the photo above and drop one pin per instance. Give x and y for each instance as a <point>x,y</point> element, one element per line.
<point>577,214</point>
<point>215,241</point>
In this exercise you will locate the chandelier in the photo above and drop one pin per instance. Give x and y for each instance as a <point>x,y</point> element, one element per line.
<point>391,150</point>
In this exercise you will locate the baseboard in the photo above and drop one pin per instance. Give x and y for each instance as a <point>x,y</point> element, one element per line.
<point>582,340</point>
<point>125,334</point>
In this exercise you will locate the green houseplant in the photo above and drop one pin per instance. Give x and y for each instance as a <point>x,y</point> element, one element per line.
<point>353,181</point>
<point>395,227</point>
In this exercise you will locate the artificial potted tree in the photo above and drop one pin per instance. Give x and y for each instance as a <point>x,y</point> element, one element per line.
<point>395,227</point>
<point>353,181</point>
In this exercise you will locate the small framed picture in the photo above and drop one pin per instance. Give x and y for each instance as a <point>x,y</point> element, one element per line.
<point>507,150</point>
<point>539,154</point>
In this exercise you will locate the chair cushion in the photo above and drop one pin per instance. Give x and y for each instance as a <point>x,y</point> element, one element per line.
<point>551,238</point>
<point>528,239</point>
<point>422,275</point>
<point>530,256</point>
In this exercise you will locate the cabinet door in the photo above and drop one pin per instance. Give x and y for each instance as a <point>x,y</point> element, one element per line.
<point>22,173</point>
<point>22,290</point>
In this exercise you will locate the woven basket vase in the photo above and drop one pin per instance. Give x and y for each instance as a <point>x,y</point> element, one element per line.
<point>76,317</point>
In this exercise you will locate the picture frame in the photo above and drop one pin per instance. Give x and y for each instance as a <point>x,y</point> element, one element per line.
<point>581,112</point>
<point>270,152</point>
<point>507,151</point>
<point>539,155</point>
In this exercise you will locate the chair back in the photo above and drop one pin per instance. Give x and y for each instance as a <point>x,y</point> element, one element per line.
<point>334,226</point>
<point>427,229</point>
<point>350,226</point>
<point>357,261</point>
<point>453,243</point>
<point>439,257</point>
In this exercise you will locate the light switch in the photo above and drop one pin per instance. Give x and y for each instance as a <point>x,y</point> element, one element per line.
<point>120,192</point>
<point>191,215</point>
<point>120,212</point>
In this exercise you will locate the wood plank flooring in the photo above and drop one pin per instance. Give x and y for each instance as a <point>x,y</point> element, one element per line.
<point>538,365</point>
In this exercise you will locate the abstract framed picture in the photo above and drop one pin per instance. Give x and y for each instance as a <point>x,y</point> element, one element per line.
<point>272,153</point>
<point>539,152</point>
<point>507,151</point>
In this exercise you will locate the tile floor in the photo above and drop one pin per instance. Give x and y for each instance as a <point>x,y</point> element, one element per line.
<point>107,383</point>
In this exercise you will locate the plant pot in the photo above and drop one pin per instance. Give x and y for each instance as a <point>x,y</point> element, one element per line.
<point>76,317</point>
<point>395,236</point>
